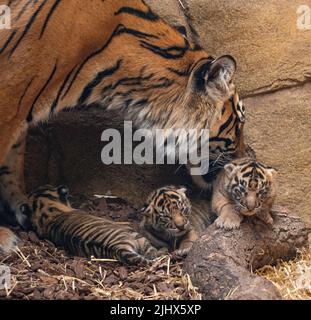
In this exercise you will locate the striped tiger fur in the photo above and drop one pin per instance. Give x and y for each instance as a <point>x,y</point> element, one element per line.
<point>244,188</point>
<point>116,54</point>
<point>83,234</point>
<point>226,141</point>
<point>166,217</point>
<point>171,221</point>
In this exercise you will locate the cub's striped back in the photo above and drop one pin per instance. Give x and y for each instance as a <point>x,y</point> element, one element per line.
<point>83,234</point>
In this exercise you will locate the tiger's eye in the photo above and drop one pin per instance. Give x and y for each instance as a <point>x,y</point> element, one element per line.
<point>263,193</point>
<point>237,194</point>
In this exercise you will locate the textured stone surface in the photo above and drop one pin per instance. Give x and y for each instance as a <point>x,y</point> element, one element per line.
<point>170,10</point>
<point>278,127</point>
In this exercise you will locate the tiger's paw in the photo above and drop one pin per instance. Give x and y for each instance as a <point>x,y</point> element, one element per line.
<point>8,240</point>
<point>181,253</point>
<point>161,252</point>
<point>228,221</point>
<point>266,218</point>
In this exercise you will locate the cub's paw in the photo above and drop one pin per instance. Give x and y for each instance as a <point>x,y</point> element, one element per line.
<point>228,222</point>
<point>181,253</point>
<point>8,240</point>
<point>162,252</point>
<point>266,218</point>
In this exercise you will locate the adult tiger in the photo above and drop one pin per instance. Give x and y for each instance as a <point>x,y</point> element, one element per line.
<point>226,141</point>
<point>115,53</point>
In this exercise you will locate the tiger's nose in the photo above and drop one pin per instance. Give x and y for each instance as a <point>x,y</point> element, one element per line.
<point>179,222</point>
<point>251,204</point>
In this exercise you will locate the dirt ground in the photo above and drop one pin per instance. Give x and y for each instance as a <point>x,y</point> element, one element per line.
<point>40,271</point>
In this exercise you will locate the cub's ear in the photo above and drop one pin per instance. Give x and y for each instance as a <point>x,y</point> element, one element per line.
<point>63,190</point>
<point>229,169</point>
<point>146,210</point>
<point>63,193</point>
<point>182,190</point>
<point>214,76</point>
<point>273,172</point>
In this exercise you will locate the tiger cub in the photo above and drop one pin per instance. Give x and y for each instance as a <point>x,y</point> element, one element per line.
<point>83,234</point>
<point>245,187</point>
<point>167,220</point>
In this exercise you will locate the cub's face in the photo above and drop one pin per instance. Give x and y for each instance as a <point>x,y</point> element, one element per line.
<point>44,203</point>
<point>168,211</point>
<point>251,186</point>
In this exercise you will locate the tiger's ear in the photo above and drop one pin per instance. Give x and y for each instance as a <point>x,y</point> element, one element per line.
<point>222,70</point>
<point>214,76</point>
<point>146,210</point>
<point>182,190</point>
<point>63,190</point>
<point>63,193</point>
<point>273,172</point>
<point>229,169</point>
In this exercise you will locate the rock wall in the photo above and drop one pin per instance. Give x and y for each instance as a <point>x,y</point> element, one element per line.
<point>271,54</point>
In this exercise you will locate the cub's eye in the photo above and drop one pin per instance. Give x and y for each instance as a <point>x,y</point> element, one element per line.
<point>165,218</point>
<point>237,194</point>
<point>263,193</point>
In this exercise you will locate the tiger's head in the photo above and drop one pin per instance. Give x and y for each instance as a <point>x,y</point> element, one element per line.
<point>250,185</point>
<point>154,72</point>
<point>43,204</point>
<point>167,213</point>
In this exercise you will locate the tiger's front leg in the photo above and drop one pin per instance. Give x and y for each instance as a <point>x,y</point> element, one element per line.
<point>186,243</point>
<point>12,186</point>
<point>228,219</point>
